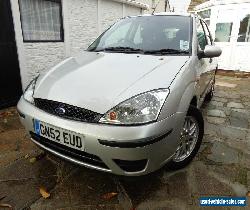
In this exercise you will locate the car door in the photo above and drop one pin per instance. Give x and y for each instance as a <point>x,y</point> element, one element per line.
<point>203,63</point>
<point>212,65</point>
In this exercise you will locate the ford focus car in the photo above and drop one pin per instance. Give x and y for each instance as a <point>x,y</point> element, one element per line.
<point>130,103</point>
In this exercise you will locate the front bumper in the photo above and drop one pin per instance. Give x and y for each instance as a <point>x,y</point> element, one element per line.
<point>122,150</point>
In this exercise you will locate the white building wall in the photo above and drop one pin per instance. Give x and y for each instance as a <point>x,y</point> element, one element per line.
<point>130,10</point>
<point>83,27</point>
<point>157,5</point>
<point>41,56</point>
<point>83,21</point>
<point>110,11</point>
<point>235,54</point>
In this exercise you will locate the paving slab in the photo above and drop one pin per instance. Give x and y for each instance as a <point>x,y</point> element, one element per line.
<point>226,84</point>
<point>221,153</point>
<point>216,120</point>
<point>235,105</point>
<point>219,99</point>
<point>216,113</point>
<point>21,180</point>
<point>238,122</point>
<point>83,188</point>
<point>240,113</point>
<point>9,119</point>
<point>233,132</point>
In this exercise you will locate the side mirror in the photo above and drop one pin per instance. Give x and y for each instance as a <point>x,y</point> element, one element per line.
<point>210,51</point>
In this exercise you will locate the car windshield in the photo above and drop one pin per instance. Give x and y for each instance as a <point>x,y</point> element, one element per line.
<point>146,34</point>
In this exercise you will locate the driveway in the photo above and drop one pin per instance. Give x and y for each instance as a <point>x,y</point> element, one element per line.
<point>222,166</point>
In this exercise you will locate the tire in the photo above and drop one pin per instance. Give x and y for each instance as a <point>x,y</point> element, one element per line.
<point>210,94</point>
<point>192,114</point>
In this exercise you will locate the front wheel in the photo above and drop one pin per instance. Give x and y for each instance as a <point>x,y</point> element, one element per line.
<point>190,139</point>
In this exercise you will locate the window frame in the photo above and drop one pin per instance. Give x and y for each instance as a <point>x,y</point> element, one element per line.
<point>201,12</point>
<point>205,18</point>
<point>198,20</point>
<point>61,21</point>
<point>191,31</point>
<point>208,36</point>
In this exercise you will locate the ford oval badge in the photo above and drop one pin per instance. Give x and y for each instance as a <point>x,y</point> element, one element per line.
<point>60,110</point>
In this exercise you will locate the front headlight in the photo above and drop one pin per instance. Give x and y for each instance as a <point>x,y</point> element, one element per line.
<point>29,91</point>
<point>139,109</point>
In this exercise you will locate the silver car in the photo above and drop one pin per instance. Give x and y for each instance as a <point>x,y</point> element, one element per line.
<point>130,103</point>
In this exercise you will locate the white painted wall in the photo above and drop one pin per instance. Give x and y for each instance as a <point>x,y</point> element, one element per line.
<point>179,5</point>
<point>235,55</point>
<point>157,5</point>
<point>83,25</point>
<point>130,10</point>
<point>110,11</point>
<point>40,57</point>
<point>83,21</point>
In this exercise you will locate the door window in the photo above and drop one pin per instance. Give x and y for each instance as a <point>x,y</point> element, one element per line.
<point>244,31</point>
<point>201,35</point>
<point>223,32</point>
<point>205,15</point>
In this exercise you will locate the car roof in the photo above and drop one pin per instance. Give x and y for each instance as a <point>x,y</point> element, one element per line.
<point>166,14</point>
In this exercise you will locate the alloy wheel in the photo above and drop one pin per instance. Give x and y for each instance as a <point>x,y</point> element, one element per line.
<point>188,139</point>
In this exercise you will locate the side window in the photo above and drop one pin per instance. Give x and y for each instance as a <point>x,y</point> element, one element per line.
<point>201,36</point>
<point>208,34</point>
<point>205,15</point>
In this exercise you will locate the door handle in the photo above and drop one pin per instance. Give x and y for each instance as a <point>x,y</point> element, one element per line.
<point>210,60</point>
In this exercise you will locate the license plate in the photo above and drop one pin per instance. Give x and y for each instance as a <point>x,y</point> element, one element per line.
<point>59,135</point>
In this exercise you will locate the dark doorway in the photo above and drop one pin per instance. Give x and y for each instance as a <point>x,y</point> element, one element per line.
<point>10,82</point>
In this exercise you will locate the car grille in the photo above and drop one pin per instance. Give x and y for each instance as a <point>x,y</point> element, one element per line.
<point>78,155</point>
<point>69,111</point>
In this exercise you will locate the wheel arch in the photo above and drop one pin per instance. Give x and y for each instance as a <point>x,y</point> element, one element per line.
<point>189,97</point>
<point>194,101</point>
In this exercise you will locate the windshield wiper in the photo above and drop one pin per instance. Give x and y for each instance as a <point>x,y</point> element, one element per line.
<point>120,49</point>
<point>135,50</point>
<point>166,51</point>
